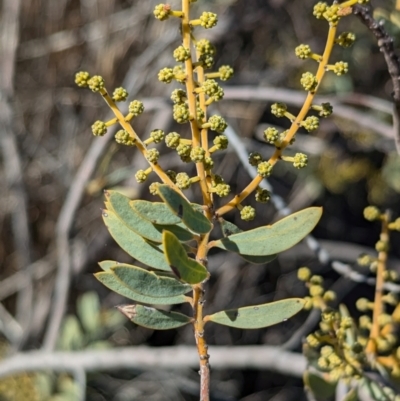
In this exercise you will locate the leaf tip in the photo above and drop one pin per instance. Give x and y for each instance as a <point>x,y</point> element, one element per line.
<point>128,310</point>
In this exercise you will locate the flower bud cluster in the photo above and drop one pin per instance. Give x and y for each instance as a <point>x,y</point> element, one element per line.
<point>197,154</point>
<point>220,142</point>
<point>184,151</point>
<point>153,188</point>
<point>157,135</point>
<point>309,81</point>
<point>303,51</point>
<point>124,138</point>
<point>219,186</point>
<point>225,72</point>
<point>264,169</point>
<point>208,20</point>
<point>182,181</point>
<point>99,128</point>
<point>346,39</point>
<point>262,195</point>
<point>204,46</point>
<point>324,110</point>
<point>181,54</point>
<point>206,53</point>
<point>181,113</point>
<point>372,213</point>
<point>248,213</point>
<point>279,109</point>
<point>152,155</point>
<point>311,123</point>
<point>120,94</point>
<point>300,160</point>
<point>172,140</point>
<point>337,357</point>
<point>96,83</point>
<point>255,159</point>
<point>82,78</point>
<point>332,14</point>
<point>216,123</point>
<point>136,108</point>
<point>271,135</point>
<point>340,68</point>
<point>141,176</point>
<point>172,175</point>
<point>178,96</point>
<point>162,11</point>
<point>211,88</point>
<point>318,296</point>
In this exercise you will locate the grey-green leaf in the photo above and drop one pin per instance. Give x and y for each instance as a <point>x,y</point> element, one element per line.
<point>193,219</point>
<point>186,269</point>
<point>179,230</point>
<point>269,240</point>
<point>149,283</point>
<point>133,243</point>
<point>122,207</point>
<point>113,283</point>
<point>155,212</point>
<point>258,316</point>
<point>229,228</point>
<point>108,264</point>
<point>153,318</point>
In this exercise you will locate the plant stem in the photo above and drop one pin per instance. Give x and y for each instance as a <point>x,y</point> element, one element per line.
<point>252,186</point>
<point>198,302</point>
<point>202,347</point>
<point>190,87</point>
<point>379,288</point>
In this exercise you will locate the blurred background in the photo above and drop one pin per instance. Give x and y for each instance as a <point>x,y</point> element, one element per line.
<point>53,172</point>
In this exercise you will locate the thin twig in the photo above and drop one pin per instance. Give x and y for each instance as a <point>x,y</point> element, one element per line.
<point>9,37</point>
<point>242,357</point>
<point>9,327</point>
<point>347,271</point>
<point>21,279</point>
<point>386,46</point>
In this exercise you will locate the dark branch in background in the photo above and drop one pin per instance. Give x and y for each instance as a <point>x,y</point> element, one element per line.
<point>386,46</point>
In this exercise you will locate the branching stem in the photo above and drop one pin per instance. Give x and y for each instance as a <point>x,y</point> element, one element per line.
<point>191,96</point>
<point>139,144</point>
<point>199,138</point>
<point>252,186</point>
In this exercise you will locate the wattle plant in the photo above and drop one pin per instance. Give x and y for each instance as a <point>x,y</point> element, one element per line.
<point>173,235</point>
